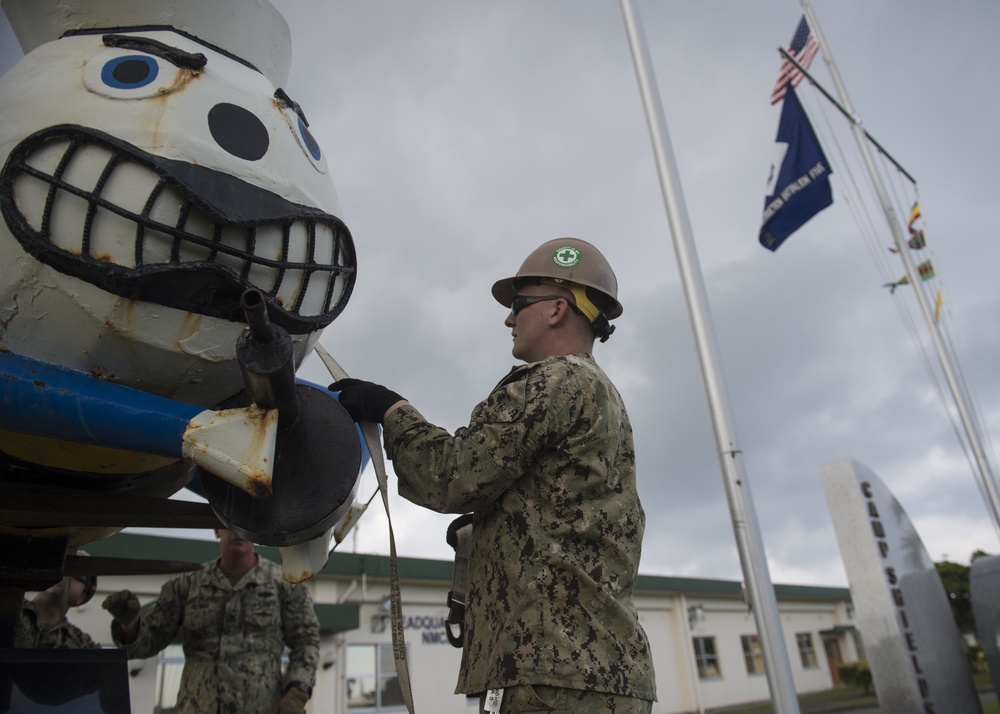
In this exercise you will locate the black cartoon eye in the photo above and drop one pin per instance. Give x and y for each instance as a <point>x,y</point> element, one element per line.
<point>238,131</point>
<point>129,72</point>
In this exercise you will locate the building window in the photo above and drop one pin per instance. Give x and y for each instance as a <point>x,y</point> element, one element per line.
<point>806,652</point>
<point>752,654</point>
<point>170,665</point>
<point>705,657</point>
<point>372,684</point>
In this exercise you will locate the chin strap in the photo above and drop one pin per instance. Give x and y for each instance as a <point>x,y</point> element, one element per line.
<point>602,327</point>
<point>370,433</point>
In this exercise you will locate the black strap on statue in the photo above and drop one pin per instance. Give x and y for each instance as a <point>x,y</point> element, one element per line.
<point>460,539</point>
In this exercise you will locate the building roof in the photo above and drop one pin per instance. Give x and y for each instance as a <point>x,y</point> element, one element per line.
<point>133,545</point>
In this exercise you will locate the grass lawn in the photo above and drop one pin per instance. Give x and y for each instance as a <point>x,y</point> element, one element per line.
<point>847,698</point>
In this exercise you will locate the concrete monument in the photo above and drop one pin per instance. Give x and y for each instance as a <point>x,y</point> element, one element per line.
<point>917,658</point>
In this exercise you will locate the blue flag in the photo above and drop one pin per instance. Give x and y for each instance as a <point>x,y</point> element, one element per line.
<point>799,184</point>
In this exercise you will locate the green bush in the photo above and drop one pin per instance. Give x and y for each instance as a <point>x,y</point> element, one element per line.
<point>856,674</point>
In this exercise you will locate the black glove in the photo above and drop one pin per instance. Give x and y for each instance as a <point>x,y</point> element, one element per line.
<point>364,401</point>
<point>123,606</point>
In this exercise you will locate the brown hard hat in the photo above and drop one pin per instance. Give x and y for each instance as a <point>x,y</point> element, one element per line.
<point>567,259</point>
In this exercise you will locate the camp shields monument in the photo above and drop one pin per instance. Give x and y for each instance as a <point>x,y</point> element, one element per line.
<point>917,658</point>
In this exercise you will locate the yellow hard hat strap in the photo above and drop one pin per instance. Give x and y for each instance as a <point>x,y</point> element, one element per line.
<point>583,303</point>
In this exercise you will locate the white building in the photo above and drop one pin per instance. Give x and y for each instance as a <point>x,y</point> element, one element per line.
<point>705,648</point>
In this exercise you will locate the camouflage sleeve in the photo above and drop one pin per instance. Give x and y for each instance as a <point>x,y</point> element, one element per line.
<point>300,632</point>
<point>158,627</point>
<point>524,415</point>
<point>77,638</point>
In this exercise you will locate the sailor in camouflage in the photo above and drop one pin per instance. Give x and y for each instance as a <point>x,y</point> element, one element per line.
<point>43,623</point>
<point>547,466</point>
<point>234,618</point>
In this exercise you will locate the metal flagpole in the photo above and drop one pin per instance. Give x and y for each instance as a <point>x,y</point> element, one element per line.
<point>759,589</point>
<point>972,432</point>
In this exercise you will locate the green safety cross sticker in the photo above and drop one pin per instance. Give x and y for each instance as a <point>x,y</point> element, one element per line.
<point>566,257</point>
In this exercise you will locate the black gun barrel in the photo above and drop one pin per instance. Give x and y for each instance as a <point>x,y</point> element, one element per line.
<point>267,360</point>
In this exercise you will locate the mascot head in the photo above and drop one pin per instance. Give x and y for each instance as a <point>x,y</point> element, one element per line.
<point>153,170</point>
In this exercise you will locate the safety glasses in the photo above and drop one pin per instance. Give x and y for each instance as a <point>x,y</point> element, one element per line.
<point>522,301</point>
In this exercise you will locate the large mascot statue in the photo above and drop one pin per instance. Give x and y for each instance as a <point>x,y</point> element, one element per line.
<point>170,252</point>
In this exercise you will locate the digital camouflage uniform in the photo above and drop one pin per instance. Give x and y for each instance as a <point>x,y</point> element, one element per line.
<point>233,637</point>
<point>547,464</point>
<point>32,635</point>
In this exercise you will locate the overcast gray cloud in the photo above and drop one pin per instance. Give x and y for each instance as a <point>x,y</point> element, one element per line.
<point>463,134</point>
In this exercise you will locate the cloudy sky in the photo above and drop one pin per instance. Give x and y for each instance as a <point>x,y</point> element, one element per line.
<point>462,134</point>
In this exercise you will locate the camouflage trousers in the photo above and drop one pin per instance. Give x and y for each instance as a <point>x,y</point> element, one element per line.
<point>529,699</point>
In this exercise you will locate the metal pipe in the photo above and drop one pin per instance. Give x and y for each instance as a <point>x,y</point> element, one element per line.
<point>266,359</point>
<point>744,520</point>
<point>987,478</point>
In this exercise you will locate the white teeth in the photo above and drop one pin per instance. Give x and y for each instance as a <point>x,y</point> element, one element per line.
<point>157,247</point>
<point>298,244</point>
<point>30,194</point>
<point>198,224</point>
<point>46,158</point>
<point>323,247</point>
<point>85,169</point>
<point>315,299</point>
<point>234,237</point>
<point>80,224</point>
<point>128,186</point>
<point>106,232</point>
<point>289,290</point>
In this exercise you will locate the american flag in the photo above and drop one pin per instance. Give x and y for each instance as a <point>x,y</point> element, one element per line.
<point>803,48</point>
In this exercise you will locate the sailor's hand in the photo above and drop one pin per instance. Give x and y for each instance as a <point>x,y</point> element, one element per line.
<point>123,606</point>
<point>365,401</point>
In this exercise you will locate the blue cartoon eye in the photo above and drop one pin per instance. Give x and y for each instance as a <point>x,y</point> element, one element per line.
<point>129,72</point>
<point>300,130</point>
<point>131,75</point>
<point>308,141</point>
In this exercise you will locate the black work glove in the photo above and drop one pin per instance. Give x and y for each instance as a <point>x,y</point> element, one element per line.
<point>364,401</point>
<point>123,606</point>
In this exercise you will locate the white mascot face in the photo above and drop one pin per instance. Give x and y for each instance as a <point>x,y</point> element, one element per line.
<point>149,180</point>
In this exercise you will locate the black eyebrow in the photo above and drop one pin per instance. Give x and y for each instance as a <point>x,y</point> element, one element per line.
<point>284,99</point>
<point>174,55</point>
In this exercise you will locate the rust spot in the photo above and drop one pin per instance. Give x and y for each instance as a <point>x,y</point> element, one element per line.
<point>100,372</point>
<point>258,486</point>
<point>38,383</point>
<point>298,577</point>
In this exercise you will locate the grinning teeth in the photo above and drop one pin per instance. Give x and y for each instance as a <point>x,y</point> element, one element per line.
<point>268,240</point>
<point>157,246</point>
<point>91,197</point>
<point>66,227</point>
<point>197,224</point>
<point>234,237</point>
<point>315,298</point>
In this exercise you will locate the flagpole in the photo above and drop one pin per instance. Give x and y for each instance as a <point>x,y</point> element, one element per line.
<point>851,116</point>
<point>972,432</point>
<point>750,545</point>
